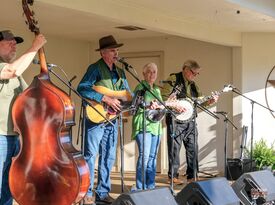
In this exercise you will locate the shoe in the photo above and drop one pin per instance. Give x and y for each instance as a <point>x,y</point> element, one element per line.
<point>88,200</point>
<point>193,180</point>
<point>106,200</point>
<point>190,180</point>
<point>176,181</point>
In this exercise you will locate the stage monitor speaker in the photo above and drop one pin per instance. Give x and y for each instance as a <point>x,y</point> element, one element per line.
<point>159,196</point>
<point>262,180</point>
<point>215,191</point>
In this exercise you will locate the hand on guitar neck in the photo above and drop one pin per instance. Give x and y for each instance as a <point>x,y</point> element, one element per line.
<point>112,102</point>
<point>208,100</point>
<point>214,98</point>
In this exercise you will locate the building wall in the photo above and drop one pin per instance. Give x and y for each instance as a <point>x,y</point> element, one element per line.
<point>258,60</point>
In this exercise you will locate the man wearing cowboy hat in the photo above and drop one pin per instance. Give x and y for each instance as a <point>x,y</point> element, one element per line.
<point>11,85</point>
<point>102,139</point>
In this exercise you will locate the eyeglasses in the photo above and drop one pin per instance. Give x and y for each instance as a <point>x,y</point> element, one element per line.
<point>194,73</point>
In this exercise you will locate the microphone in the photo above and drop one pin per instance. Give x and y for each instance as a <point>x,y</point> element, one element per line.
<point>50,65</point>
<point>220,112</point>
<point>228,88</point>
<point>121,60</point>
<point>166,81</point>
<point>171,83</point>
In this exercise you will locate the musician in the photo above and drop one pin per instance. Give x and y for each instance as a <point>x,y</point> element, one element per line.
<point>98,138</point>
<point>11,85</point>
<point>184,132</point>
<point>153,130</point>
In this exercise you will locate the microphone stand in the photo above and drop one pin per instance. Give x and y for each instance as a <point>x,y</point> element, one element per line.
<point>71,88</point>
<point>70,83</point>
<point>172,128</point>
<point>196,153</point>
<point>173,135</point>
<point>121,128</point>
<point>226,120</point>
<point>237,91</point>
<point>127,68</point>
<point>143,145</point>
<point>195,160</point>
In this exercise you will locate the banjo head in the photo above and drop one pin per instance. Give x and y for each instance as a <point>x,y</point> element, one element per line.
<point>188,114</point>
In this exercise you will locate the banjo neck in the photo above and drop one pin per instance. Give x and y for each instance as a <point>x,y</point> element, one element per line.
<point>206,98</point>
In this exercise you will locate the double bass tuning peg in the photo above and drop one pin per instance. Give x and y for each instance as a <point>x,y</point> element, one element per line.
<point>30,2</point>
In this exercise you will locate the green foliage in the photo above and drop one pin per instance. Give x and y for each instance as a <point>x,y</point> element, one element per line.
<point>264,155</point>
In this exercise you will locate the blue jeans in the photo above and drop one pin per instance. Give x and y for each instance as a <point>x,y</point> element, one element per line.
<point>100,140</point>
<point>150,160</point>
<point>9,147</point>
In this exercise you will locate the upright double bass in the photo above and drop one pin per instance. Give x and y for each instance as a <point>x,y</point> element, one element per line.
<point>48,170</point>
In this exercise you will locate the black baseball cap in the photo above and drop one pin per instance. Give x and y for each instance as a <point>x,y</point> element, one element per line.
<point>8,35</point>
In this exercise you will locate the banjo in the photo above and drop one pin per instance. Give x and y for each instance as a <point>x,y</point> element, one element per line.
<point>186,103</point>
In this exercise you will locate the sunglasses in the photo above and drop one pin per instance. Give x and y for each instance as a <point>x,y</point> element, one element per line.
<point>194,73</point>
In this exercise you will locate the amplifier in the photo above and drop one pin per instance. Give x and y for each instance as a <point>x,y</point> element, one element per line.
<point>236,167</point>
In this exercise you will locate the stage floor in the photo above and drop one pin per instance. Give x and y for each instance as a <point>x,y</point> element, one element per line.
<point>129,182</point>
<point>161,181</point>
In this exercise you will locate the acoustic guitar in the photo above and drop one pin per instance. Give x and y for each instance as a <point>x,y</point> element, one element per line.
<point>123,95</point>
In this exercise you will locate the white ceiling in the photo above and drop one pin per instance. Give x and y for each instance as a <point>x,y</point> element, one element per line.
<point>74,19</point>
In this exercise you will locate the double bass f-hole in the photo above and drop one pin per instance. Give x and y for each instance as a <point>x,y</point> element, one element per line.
<point>48,169</point>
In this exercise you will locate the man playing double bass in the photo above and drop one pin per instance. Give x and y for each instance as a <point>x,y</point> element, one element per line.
<point>11,85</point>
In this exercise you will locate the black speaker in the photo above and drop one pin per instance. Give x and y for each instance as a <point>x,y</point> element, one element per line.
<point>262,180</point>
<point>236,167</point>
<point>215,191</point>
<point>159,196</point>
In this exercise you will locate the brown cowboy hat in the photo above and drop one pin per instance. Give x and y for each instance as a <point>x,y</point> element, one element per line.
<point>108,42</point>
<point>8,35</point>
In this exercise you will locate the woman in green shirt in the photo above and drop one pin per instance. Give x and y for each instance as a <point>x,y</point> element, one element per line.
<point>153,131</point>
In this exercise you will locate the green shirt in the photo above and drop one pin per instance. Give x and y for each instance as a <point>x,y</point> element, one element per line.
<point>154,128</point>
<point>9,90</point>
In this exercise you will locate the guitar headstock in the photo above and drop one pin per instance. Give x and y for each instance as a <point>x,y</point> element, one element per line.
<point>31,22</point>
